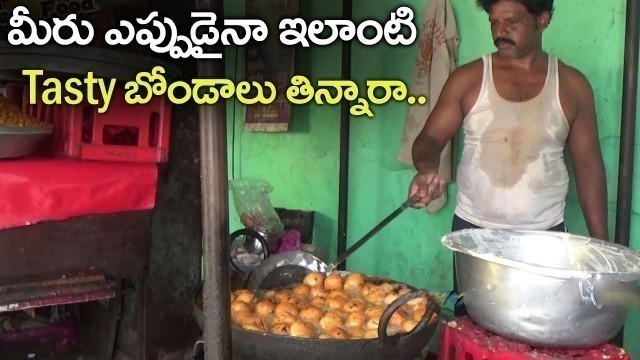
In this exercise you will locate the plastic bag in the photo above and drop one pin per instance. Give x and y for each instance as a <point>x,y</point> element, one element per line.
<point>252,202</point>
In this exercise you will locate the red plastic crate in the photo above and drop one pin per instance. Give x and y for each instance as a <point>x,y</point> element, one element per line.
<point>134,133</point>
<point>137,133</point>
<point>462,339</point>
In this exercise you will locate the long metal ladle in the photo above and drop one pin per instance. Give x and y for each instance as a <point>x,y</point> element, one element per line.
<point>283,269</point>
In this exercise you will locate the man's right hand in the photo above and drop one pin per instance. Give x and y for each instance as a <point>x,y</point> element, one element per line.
<point>428,187</point>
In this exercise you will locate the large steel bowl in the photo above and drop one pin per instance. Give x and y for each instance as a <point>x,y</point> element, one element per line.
<point>16,142</point>
<point>545,288</point>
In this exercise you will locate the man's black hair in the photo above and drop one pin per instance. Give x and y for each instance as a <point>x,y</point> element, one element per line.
<point>534,7</point>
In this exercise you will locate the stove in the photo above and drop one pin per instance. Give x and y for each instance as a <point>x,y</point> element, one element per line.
<point>462,339</point>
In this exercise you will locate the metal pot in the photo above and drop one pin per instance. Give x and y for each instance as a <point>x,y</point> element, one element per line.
<point>249,345</point>
<point>16,142</point>
<point>545,288</point>
<point>249,249</point>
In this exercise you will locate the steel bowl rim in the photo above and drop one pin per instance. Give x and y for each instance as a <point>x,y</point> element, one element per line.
<point>33,131</point>
<point>556,273</point>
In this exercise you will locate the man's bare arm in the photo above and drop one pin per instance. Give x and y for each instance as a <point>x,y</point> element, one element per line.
<point>443,123</point>
<point>584,145</point>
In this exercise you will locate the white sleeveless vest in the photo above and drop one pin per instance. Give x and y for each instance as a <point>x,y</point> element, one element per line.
<point>512,173</point>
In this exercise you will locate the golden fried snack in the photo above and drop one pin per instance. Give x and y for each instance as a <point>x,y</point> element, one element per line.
<point>301,329</point>
<point>404,291</point>
<point>302,289</point>
<point>240,306</point>
<point>239,318</point>
<point>354,282</point>
<point>373,324</point>
<point>398,318</point>
<point>371,334</point>
<point>318,291</point>
<point>284,318</point>
<point>244,319</point>
<point>313,279</point>
<point>311,314</point>
<point>390,298</point>
<point>356,319</point>
<point>330,320</point>
<point>265,307</point>
<point>293,299</point>
<point>376,298</point>
<point>301,301</point>
<point>333,282</point>
<point>419,312</point>
<point>368,288</point>
<point>417,302</point>
<point>337,333</point>
<point>336,303</point>
<point>280,329</point>
<point>245,295</point>
<point>356,333</point>
<point>282,295</point>
<point>391,331</point>
<point>252,327</point>
<point>271,295</point>
<point>343,314</point>
<point>374,312</point>
<point>319,302</point>
<point>288,308</point>
<point>355,305</point>
<point>339,294</point>
<point>409,325</point>
<point>386,287</point>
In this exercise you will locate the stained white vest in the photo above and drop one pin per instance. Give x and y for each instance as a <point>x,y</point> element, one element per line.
<point>512,174</point>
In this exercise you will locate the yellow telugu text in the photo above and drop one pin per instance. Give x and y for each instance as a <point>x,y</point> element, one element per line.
<point>99,92</point>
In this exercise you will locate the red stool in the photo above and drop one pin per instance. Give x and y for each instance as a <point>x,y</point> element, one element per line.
<point>462,339</point>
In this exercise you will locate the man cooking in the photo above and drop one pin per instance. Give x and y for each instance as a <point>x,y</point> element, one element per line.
<point>518,107</point>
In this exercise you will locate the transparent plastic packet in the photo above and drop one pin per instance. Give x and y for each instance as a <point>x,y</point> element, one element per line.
<point>253,204</point>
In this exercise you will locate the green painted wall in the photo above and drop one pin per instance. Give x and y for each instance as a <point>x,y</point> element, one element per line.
<point>303,164</point>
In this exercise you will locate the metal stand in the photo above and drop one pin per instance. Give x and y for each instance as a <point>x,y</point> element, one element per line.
<point>345,130</point>
<point>215,212</point>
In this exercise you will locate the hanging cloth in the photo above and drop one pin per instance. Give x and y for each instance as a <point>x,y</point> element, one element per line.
<point>436,60</point>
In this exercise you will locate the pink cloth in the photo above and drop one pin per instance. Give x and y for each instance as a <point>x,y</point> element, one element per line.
<point>290,241</point>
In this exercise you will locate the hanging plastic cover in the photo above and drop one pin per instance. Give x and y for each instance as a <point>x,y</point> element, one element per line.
<point>252,202</point>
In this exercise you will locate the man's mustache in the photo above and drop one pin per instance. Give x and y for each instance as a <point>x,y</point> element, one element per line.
<point>505,40</point>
